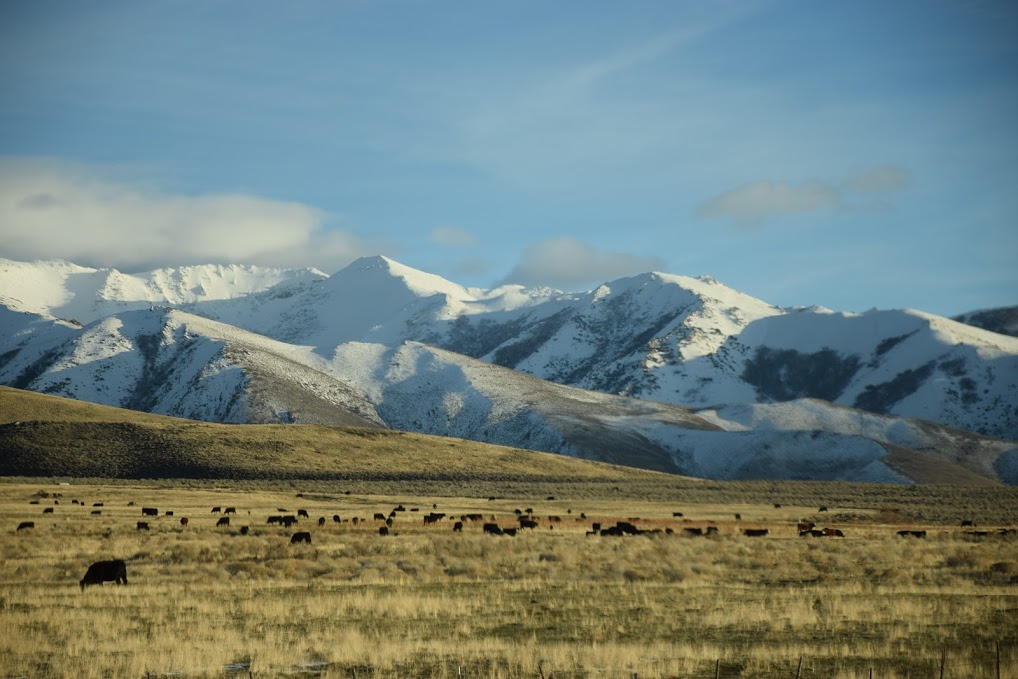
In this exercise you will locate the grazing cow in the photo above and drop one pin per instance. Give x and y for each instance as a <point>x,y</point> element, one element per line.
<point>738,517</point>
<point>457,527</point>
<point>755,532</point>
<point>244,530</point>
<point>142,525</point>
<point>170,513</point>
<point>230,510</point>
<point>379,516</point>
<point>303,536</point>
<point>912,533</point>
<point>335,518</point>
<point>33,502</point>
<point>777,505</point>
<point>321,521</point>
<point>399,508</point>
<point>511,532</point>
<point>223,521</point>
<point>596,527</point>
<point>712,530</point>
<point>47,510</point>
<point>968,523</point>
<point>280,509</point>
<point>433,518</point>
<point>216,510</point>
<point>612,531</point>
<point>833,533</point>
<point>627,527</point>
<point>98,504</point>
<point>693,531</point>
<point>96,512</point>
<point>555,519</point>
<point>26,524</point>
<point>303,513</point>
<point>105,571</point>
<point>275,519</point>
<point>492,529</point>
<point>676,515</point>
<point>527,523</point>
<point>805,526</point>
<point>383,530</point>
<point>131,503</point>
<point>149,511</point>
<point>823,509</point>
<point>388,522</point>
<point>288,520</point>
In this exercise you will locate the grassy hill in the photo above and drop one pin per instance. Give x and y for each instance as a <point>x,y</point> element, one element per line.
<point>51,436</point>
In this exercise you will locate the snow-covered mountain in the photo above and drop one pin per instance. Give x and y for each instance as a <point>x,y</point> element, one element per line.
<point>686,341</point>
<point>728,386</point>
<point>1003,320</point>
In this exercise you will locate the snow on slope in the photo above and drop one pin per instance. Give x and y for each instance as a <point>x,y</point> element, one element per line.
<point>84,294</point>
<point>172,363</point>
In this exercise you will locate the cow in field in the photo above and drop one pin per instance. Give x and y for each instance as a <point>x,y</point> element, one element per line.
<point>47,510</point>
<point>383,530</point>
<point>755,532</point>
<point>458,527</point>
<point>149,511</point>
<point>274,519</point>
<point>142,525</point>
<point>967,523</point>
<point>433,518</point>
<point>216,510</point>
<point>694,531</point>
<point>97,512</point>
<point>244,530</point>
<point>105,571</point>
<point>169,513</point>
<point>527,523</point>
<point>26,524</point>
<point>288,520</point>
<point>297,538</point>
<point>379,516</point>
<point>183,521</point>
<point>833,533</point>
<point>230,510</point>
<point>335,518</point>
<point>805,526</point>
<point>492,529</point>
<point>223,521</point>
<point>321,521</point>
<point>303,513</point>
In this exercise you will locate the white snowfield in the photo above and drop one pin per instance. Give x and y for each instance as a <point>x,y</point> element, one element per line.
<point>727,385</point>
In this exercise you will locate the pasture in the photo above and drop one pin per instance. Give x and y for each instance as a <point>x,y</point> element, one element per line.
<point>553,601</point>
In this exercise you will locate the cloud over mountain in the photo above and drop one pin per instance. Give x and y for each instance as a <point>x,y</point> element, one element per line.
<point>758,201</point>
<point>52,208</point>
<point>570,264</point>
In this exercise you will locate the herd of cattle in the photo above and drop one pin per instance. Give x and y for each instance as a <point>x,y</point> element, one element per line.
<point>116,570</point>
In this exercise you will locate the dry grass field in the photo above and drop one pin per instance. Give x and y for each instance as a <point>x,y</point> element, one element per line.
<point>553,601</point>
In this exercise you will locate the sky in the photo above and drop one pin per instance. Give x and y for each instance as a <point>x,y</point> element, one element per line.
<point>853,155</point>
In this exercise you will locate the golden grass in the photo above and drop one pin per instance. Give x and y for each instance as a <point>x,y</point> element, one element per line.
<point>430,602</point>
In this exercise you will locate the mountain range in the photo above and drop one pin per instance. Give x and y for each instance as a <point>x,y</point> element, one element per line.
<point>659,371</point>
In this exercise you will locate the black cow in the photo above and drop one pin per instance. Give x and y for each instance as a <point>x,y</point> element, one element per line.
<point>968,523</point>
<point>321,521</point>
<point>169,513</point>
<point>230,510</point>
<point>755,532</point>
<point>216,510</point>
<point>223,521</point>
<point>458,527</point>
<point>47,510</point>
<point>183,521</point>
<point>275,519</point>
<point>383,530</point>
<point>335,518</point>
<point>511,532</point>
<point>244,530</point>
<point>694,531</point>
<point>105,571</point>
<point>26,524</point>
<point>149,511</point>
<point>288,520</point>
<point>379,516</point>
<point>97,512</point>
<point>297,538</point>
<point>492,529</point>
<point>303,512</point>
<point>97,504</point>
<point>527,523</point>
<point>142,525</point>
<point>823,509</point>
<point>433,518</point>
<point>677,514</point>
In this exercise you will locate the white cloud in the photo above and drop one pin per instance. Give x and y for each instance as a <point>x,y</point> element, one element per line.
<point>568,264</point>
<point>52,209</point>
<point>452,236</point>
<point>758,201</point>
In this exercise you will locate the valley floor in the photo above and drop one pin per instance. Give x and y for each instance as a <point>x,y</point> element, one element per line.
<point>554,601</point>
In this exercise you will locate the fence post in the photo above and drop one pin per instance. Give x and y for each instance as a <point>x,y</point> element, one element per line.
<point>943,657</point>
<point>998,657</point>
<point>799,668</point>
<point>717,669</point>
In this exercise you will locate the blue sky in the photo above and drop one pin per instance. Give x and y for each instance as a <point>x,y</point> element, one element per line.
<point>853,155</point>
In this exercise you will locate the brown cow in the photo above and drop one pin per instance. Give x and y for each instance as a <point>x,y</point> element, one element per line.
<point>183,521</point>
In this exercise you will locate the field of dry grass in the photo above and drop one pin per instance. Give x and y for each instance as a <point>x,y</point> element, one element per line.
<point>553,602</point>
